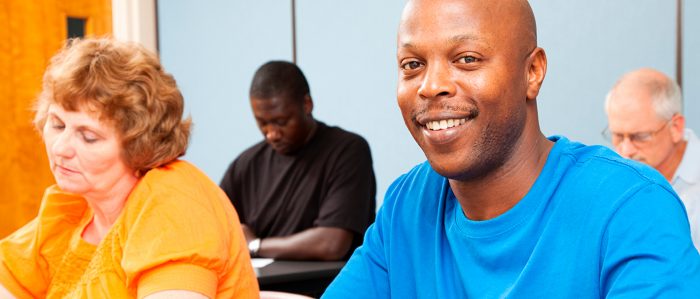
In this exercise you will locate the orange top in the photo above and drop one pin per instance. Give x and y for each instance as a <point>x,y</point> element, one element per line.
<point>178,231</point>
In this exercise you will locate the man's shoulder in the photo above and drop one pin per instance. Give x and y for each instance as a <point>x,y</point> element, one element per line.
<point>340,134</point>
<point>253,151</point>
<point>596,173</point>
<point>600,161</point>
<point>688,171</point>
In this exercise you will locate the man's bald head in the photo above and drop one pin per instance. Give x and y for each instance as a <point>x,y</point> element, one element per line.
<point>647,86</point>
<point>512,19</point>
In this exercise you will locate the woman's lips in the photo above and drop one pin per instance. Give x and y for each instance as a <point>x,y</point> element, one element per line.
<point>65,170</point>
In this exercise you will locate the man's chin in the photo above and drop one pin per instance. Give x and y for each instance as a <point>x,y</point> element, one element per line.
<point>639,159</point>
<point>284,150</point>
<point>451,169</point>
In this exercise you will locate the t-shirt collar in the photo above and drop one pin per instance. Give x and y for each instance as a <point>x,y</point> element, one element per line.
<point>689,170</point>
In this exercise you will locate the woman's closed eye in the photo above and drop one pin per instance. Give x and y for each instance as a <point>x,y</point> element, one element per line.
<point>89,137</point>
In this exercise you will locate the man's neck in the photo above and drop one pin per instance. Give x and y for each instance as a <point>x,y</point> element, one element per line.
<point>668,168</point>
<point>496,193</point>
<point>313,126</point>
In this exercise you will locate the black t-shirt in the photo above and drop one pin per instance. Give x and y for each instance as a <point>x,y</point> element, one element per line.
<point>327,183</point>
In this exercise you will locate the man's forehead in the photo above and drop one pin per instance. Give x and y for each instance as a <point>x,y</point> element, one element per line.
<point>455,14</point>
<point>468,20</point>
<point>628,114</point>
<point>273,105</point>
<point>408,42</point>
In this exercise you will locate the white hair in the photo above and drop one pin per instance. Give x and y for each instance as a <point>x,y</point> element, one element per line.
<point>665,94</point>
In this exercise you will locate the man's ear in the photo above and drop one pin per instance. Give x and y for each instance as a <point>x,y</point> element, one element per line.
<point>536,72</point>
<point>677,128</point>
<point>308,104</point>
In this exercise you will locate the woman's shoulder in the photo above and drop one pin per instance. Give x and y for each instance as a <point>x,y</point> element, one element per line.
<point>177,216</point>
<point>178,187</point>
<point>178,178</point>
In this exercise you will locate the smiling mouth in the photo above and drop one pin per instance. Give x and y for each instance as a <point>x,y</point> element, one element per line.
<point>444,124</point>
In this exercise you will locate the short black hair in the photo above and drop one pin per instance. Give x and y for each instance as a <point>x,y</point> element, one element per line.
<point>279,78</point>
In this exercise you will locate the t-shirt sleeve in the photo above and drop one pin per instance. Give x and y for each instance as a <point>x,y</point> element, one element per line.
<point>647,251</point>
<point>366,272</point>
<point>349,203</point>
<point>21,268</point>
<point>175,240</point>
<point>230,184</point>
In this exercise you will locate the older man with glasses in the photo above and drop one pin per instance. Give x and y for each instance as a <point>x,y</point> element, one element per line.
<point>645,124</point>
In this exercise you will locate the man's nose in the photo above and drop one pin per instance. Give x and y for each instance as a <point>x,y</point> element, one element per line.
<point>273,134</point>
<point>437,81</point>
<point>626,148</point>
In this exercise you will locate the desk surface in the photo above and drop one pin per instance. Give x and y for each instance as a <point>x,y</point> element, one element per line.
<point>293,271</point>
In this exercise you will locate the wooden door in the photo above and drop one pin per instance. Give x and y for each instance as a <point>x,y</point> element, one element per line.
<point>31,31</point>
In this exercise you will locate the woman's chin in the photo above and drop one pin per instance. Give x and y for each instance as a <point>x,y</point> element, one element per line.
<point>70,187</point>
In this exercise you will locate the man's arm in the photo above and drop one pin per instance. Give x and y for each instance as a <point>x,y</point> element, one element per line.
<point>248,233</point>
<point>316,243</point>
<point>366,271</point>
<point>647,251</point>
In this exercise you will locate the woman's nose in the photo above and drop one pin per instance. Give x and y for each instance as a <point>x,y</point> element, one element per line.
<point>62,145</point>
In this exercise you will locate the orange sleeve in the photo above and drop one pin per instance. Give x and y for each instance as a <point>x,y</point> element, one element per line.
<point>26,256</point>
<point>178,236</point>
<point>21,270</point>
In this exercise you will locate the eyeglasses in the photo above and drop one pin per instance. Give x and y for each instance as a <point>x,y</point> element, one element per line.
<point>639,139</point>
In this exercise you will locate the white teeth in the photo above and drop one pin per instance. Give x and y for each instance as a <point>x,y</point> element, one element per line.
<point>437,125</point>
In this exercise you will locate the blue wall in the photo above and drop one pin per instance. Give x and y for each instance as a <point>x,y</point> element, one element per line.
<point>347,50</point>
<point>691,63</point>
<point>213,48</point>
<point>590,44</point>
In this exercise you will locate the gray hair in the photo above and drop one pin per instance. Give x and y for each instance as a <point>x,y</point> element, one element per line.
<point>665,94</point>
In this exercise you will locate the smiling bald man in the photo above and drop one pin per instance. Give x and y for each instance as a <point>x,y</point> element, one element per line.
<point>499,210</point>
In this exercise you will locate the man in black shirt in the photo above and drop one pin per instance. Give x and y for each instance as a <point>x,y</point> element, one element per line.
<point>308,190</point>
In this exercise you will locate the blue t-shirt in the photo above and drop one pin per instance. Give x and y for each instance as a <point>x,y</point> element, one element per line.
<point>592,225</point>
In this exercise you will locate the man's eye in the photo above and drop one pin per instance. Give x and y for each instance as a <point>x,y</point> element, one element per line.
<point>411,65</point>
<point>640,137</point>
<point>468,59</point>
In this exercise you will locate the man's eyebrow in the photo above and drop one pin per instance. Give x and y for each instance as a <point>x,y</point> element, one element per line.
<point>463,37</point>
<point>408,45</point>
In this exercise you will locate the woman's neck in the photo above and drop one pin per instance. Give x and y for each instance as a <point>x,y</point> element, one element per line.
<point>106,208</point>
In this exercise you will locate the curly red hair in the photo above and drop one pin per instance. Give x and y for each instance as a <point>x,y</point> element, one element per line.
<point>125,85</point>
